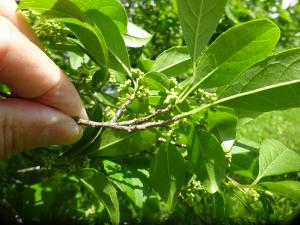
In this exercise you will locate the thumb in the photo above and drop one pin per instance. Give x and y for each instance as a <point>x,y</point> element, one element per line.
<point>25,125</point>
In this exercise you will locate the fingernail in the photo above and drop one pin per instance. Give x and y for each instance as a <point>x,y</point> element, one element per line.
<point>62,133</point>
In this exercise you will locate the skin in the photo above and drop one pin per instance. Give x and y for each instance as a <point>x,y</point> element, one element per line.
<point>47,100</point>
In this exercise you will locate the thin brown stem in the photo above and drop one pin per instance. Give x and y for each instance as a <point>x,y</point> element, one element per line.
<point>130,126</point>
<point>146,118</point>
<point>111,125</point>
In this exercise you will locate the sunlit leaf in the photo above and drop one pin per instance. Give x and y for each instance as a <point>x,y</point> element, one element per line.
<point>235,50</point>
<point>158,81</point>
<point>290,189</point>
<point>110,8</point>
<point>173,62</point>
<point>112,37</point>
<point>199,19</point>
<point>275,159</point>
<point>272,84</point>
<point>136,37</point>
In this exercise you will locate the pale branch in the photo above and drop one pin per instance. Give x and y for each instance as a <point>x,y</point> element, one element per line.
<point>130,127</point>
<point>117,126</point>
<point>31,169</point>
<point>111,125</point>
<point>146,118</point>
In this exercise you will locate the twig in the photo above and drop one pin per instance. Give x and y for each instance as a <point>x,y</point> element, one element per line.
<point>111,125</point>
<point>147,118</point>
<point>130,127</point>
<point>31,169</point>
<point>117,126</point>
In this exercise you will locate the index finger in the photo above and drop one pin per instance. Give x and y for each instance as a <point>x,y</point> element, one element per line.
<point>31,74</point>
<point>8,10</point>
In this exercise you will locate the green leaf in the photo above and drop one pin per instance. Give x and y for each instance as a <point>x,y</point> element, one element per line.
<point>136,37</point>
<point>199,20</point>
<point>77,59</point>
<point>218,207</point>
<point>145,64</point>
<point>208,159</point>
<point>244,165</point>
<point>222,123</point>
<point>157,81</point>
<point>173,62</point>
<point>112,37</point>
<point>105,193</point>
<point>72,15</point>
<point>133,183</point>
<point>290,189</point>
<point>91,39</point>
<point>100,77</point>
<point>167,173</point>
<point>110,8</point>
<point>57,8</point>
<point>276,159</point>
<point>235,50</point>
<point>119,143</point>
<point>272,84</point>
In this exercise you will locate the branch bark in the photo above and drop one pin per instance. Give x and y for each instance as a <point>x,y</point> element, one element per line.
<point>138,124</point>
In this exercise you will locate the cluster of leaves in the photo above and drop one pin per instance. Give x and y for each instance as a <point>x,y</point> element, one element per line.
<point>129,160</point>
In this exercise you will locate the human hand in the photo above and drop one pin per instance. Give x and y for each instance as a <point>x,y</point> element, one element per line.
<point>42,115</point>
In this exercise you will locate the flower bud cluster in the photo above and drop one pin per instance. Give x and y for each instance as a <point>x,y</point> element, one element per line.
<point>112,78</point>
<point>51,30</point>
<point>173,82</point>
<point>143,92</point>
<point>228,156</point>
<point>173,93</point>
<point>253,193</point>
<point>172,96</point>
<point>137,73</point>
<point>206,97</point>
<point>193,192</point>
<point>123,88</point>
<point>108,112</point>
